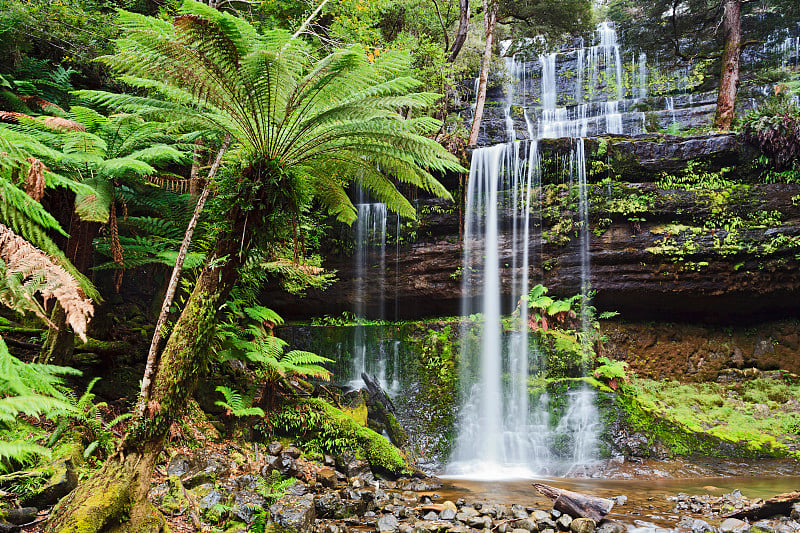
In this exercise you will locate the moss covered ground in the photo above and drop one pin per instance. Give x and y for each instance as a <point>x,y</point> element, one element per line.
<point>752,417</point>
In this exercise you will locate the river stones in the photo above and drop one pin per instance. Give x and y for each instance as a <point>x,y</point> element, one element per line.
<point>388,523</point>
<point>695,525</point>
<point>582,525</point>
<point>564,522</point>
<point>734,525</point>
<point>610,526</point>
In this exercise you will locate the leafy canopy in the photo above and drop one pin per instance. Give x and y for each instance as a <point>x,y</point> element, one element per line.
<point>314,125</point>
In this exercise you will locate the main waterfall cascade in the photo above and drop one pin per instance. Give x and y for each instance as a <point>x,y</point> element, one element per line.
<point>501,435</point>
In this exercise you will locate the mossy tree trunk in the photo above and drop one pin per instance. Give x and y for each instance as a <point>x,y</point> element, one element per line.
<point>119,490</point>
<point>729,77</point>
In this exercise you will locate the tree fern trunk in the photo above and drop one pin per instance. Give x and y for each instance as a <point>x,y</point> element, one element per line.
<point>59,346</point>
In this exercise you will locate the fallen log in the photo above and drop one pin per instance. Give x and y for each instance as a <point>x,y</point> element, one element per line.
<point>575,504</point>
<point>777,505</point>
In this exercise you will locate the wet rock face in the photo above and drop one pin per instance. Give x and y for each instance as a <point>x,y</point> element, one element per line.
<point>632,270</point>
<point>703,353</point>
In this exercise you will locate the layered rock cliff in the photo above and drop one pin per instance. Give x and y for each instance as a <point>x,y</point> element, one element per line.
<point>682,228</point>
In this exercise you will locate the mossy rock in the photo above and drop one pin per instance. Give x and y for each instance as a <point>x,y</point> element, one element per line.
<point>324,428</point>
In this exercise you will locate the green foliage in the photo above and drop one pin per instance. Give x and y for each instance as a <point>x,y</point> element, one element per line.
<point>86,418</point>
<point>611,371</point>
<point>236,404</point>
<point>247,336</point>
<point>775,130</point>
<point>343,104</point>
<point>27,389</point>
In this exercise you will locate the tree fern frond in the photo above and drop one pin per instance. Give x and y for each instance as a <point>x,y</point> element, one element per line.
<point>19,451</point>
<point>300,357</point>
<point>95,205</point>
<point>20,256</point>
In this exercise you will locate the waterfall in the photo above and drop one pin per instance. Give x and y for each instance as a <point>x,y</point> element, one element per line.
<point>370,254</point>
<point>642,75</point>
<point>601,66</point>
<point>502,434</point>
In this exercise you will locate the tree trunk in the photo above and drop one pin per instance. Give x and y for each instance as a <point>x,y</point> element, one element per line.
<point>195,183</point>
<point>119,490</point>
<point>463,28</point>
<point>173,281</point>
<point>576,504</point>
<point>729,77</point>
<point>490,12</point>
<point>777,505</point>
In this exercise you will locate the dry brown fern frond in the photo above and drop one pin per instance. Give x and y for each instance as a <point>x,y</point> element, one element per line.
<point>34,266</point>
<point>116,247</point>
<point>34,180</point>
<point>37,102</point>
<point>12,117</point>
<point>63,124</point>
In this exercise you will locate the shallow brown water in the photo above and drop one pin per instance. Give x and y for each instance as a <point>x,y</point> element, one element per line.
<point>646,486</point>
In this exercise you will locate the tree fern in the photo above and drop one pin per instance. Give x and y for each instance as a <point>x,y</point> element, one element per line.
<point>269,94</point>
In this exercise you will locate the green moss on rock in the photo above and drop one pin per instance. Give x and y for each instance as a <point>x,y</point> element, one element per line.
<point>324,428</point>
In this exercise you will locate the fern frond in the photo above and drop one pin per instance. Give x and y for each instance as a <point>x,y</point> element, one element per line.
<point>20,256</point>
<point>19,451</point>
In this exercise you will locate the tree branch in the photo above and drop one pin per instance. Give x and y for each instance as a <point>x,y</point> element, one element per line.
<point>444,29</point>
<point>149,368</point>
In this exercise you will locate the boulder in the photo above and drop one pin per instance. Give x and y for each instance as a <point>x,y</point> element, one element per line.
<point>327,476</point>
<point>563,522</point>
<point>734,525</point>
<point>246,504</point>
<point>611,526</point>
<point>518,512</point>
<point>326,504</point>
<point>356,468</point>
<point>274,448</point>
<point>204,467</point>
<point>387,522</point>
<point>63,480</point>
<point>695,525</point>
<point>292,514</point>
<point>292,452</point>
<point>582,525</point>
<point>447,514</point>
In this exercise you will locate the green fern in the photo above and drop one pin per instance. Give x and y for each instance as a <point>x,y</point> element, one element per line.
<point>27,389</point>
<point>86,417</point>
<point>247,339</point>
<point>236,404</point>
